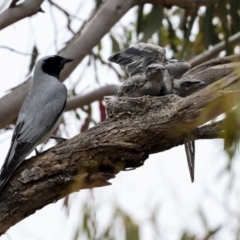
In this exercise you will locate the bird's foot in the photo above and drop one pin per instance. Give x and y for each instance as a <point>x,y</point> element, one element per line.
<point>37,152</point>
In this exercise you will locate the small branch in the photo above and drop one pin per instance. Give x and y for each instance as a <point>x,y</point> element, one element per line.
<point>65,13</point>
<point>216,49</point>
<point>18,12</point>
<point>86,99</point>
<point>107,63</point>
<point>209,131</point>
<point>16,51</point>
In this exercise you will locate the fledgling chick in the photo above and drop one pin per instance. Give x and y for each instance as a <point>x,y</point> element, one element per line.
<point>176,68</point>
<point>184,87</point>
<point>149,83</point>
<point>40,113</point>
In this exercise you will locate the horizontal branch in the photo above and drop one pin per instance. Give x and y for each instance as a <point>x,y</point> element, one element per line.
<point>135,128</point>
<point>86,99</point>
<point>18,12</point>
<point>216,49</point>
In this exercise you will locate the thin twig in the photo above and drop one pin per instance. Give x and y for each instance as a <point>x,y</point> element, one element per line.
<point>69,20</point>
<point>16,51</point>
<point>98,57</point>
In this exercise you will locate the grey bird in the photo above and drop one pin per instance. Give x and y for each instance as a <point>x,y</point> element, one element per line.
<point>137,58</point>
<point>148,83</point>
<point>40,113</point>
<point>176,68</point>
<point>185,87</point>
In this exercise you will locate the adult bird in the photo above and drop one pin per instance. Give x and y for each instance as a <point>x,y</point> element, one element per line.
<point>40,113</point>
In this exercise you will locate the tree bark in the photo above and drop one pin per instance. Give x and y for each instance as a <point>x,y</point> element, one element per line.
<point>18,12</point>
<point>135,128</point>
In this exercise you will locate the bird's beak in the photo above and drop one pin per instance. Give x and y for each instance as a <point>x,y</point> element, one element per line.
<point>66,60</point>
<point>161,68</point>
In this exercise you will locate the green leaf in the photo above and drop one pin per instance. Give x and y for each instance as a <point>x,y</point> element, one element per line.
<point>152,22</point>
<point>33,59</point>
<point>115,44</point>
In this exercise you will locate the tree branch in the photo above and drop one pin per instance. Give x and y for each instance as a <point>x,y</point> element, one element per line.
<point>86,99</point>
<point>216,49</point>
<point>18,12</point>
<point>135,128</point>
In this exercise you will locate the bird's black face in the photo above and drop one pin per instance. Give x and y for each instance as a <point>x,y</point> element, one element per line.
<point>189,87</point>
<point>54,64</point>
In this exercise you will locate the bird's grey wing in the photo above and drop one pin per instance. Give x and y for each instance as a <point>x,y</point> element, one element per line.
<point>38,115</point>
<point>138,57</point>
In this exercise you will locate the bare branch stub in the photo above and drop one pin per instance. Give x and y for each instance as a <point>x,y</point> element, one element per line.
<point>13,3</point>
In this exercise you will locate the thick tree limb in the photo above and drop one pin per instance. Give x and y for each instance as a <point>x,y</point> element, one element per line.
<point>135,128</point>
<point>18,12</point>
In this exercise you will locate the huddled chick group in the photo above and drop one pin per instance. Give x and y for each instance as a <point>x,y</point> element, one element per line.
<point>150,74</point>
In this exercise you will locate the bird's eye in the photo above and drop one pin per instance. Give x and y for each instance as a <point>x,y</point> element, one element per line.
<point>127,89</point>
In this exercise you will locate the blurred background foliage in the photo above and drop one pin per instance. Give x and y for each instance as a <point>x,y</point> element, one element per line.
<point>185,33</point>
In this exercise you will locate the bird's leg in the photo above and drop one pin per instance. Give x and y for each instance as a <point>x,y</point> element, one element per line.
<point>190,153</point>
<point>58,139</point>
<point>37,152</point>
